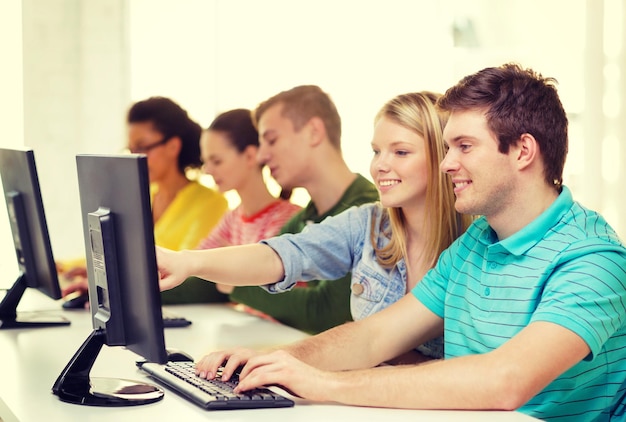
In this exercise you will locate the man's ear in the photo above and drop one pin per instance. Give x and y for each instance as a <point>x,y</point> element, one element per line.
<point>526,150</point>
<point>317,130</point>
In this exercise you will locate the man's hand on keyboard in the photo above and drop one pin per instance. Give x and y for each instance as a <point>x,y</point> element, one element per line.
<point>283,370</point>
<point>230,360</point>
<point>262,369</point>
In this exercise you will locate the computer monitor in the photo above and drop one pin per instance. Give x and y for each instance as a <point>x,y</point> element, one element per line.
<point>36,265</point>
<point>124,292</point>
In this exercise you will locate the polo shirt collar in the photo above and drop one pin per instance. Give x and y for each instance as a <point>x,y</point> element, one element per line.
<point>534,232</point>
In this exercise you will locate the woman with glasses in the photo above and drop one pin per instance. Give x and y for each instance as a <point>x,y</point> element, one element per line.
<point>183,210</point>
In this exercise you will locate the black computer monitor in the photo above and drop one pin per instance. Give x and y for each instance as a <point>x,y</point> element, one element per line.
<point>123,279</point>
<point>36,265</point>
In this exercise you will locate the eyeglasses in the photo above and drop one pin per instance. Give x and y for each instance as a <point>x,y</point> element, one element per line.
<point>144,149</point>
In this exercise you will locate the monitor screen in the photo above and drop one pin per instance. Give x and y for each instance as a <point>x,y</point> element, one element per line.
<point>123,279</point>
<point>33,252</point>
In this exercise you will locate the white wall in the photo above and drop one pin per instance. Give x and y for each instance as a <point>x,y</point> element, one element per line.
<point>220,54</point>
<point>76,88</point>
<point>11,110</point>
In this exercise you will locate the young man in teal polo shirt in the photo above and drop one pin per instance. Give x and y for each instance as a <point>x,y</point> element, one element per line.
<point>531,299</point>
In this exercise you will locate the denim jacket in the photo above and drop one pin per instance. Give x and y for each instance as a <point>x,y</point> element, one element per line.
<point>339,245</point>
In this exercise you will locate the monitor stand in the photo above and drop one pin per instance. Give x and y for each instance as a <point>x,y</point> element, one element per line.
<point>74,385</point>
<point>8,310</point>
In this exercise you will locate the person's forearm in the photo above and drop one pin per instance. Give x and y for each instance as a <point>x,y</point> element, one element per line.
<point>462,383</point>
<point>247,265</point>
<point>328,350</point>
<point>368,342</point>
<point>504,378</point>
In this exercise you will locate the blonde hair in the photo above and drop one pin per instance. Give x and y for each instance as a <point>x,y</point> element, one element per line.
<point>417,112</point>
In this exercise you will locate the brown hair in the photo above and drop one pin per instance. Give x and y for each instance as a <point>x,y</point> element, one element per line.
<point>301,104</point>
<point>516,101</point>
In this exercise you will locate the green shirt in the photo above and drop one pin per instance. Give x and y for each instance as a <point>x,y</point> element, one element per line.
<point>321,304</point>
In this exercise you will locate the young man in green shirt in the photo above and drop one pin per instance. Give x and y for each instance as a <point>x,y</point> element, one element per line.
<point>300,142</point>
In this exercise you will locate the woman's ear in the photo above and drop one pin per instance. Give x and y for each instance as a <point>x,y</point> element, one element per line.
<point>174,146</point>
<point>250,154</point>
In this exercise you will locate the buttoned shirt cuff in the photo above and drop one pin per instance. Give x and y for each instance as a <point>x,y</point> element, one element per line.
<point>280,287</point>
<point>288,282</point>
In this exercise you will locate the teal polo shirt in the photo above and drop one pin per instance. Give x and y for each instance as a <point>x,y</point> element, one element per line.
<point>567,267</point>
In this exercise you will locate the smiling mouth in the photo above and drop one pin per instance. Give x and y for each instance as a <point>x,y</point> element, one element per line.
<point>460,185</point>
<point>387,183</point>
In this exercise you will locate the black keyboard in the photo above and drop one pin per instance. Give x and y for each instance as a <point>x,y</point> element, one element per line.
<point>171,320</point>
<point>212,394</point>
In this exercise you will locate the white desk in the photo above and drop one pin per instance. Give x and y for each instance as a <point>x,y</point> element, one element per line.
<point>31,360</point>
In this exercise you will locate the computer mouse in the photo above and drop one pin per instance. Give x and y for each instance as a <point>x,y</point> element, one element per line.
<point>77,302</point>
<point>174,355</point>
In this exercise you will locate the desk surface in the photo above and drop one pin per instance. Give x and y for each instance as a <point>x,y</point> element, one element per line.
<point>31,360</point>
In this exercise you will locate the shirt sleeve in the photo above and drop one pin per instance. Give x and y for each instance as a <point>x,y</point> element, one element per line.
<point>431,290</point>
<point>323,303</point>
<point>587,294</point>
<point>321,251</point>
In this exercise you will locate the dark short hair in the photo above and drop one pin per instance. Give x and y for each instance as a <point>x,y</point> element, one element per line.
<point>170,119</point>
<point>516,101</point>
<point>238,127</point>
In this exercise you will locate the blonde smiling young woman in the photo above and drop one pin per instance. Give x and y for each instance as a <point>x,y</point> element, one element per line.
<point>387,246</point>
